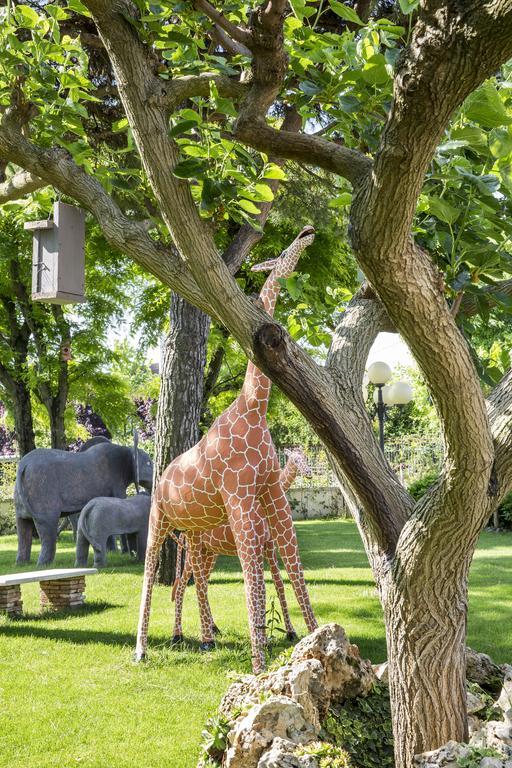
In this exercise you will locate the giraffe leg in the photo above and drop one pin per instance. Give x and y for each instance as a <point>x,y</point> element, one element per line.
<point>271,555</point>
<point>282,530</point>
<point>156,537</point>
<point>181,585</point>
<point>246,520</point>
<point>209,564</point>
<point>197,561</point>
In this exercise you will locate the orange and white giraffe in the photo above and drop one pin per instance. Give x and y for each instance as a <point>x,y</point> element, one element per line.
<point>221,541</point>
<point>232,475</point>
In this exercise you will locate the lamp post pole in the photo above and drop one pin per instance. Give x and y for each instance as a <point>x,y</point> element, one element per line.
<point>381,415</point>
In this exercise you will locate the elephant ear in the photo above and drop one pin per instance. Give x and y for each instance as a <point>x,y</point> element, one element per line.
<point>136,473</point>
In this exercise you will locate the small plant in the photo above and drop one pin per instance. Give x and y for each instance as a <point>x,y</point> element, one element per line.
<point>328,755</point>
<point>489,712</point>
<point>474,756</point>
<point>214,742</point>
<point>362,727</point>
<point>274,620</point>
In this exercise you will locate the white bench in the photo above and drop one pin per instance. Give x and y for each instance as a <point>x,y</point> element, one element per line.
<point>60,588</point>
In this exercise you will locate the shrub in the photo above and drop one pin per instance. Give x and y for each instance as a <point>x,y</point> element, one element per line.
<point>505,511</point>
<point>421,485</point>
<point>7,518</point>
<point>362,727</point>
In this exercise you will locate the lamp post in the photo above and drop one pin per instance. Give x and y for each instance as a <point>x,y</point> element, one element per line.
<point>387,395</point>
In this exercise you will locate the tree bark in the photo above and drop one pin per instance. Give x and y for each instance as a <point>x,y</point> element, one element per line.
<point>23,422</point>
<point>180,399</point>
<point>426,632</point>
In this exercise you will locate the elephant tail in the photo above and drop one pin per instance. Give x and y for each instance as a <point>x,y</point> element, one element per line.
<point>82,532</point>
<point>179,552</point>
<point>82,548</point>
<point>20,498</point>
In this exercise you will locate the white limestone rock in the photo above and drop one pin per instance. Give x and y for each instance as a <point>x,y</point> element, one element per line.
<point>282,755</point>
<point>277,717</point>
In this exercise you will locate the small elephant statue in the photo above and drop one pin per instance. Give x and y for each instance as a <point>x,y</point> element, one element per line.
<point>104,517</point>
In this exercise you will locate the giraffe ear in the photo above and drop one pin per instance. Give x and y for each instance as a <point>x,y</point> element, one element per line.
<point>265,266</point>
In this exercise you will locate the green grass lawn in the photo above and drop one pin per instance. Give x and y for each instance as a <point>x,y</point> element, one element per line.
<point>71,696</point>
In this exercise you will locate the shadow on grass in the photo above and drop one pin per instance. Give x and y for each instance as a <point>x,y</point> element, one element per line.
<point>47,614</point>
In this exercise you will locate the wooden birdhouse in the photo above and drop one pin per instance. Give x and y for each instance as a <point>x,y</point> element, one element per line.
<point>58,264</point>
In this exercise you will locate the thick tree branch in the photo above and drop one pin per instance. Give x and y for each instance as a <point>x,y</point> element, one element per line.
<point>18,185</point>
<point>304,148</point>
<point>171,93</point>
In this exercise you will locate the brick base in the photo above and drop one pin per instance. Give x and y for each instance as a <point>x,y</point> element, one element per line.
<point>63,593</point>
<point>10,600</point>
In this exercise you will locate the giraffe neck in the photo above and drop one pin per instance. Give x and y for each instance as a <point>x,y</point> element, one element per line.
<point>256,387</point>
<point>288,474</point>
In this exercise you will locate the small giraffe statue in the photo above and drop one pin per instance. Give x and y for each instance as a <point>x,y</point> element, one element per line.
<point>221,541</point>
<point>232,475</point>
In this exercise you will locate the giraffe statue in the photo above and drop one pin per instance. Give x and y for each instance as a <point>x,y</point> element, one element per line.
<point>232,475</point>
<point>221,541</point>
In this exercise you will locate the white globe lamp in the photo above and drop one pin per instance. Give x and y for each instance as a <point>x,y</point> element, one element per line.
<point>379,373</point>
<point>400,393</point>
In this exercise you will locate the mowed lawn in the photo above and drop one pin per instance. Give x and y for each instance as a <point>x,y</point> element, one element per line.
<point>71,696</point>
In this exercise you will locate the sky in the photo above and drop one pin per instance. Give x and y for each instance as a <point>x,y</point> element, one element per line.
<point>391,349</point>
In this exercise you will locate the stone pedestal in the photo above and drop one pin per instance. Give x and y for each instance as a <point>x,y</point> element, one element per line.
<point>10,600</point>
<point>63,593</point>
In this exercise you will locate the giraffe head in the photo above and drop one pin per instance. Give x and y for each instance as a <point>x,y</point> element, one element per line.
<point>284,265</point>
<point>298,457</point>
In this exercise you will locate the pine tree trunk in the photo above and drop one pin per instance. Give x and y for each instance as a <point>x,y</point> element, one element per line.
<point>426,632</point>
<point>180,400</point>
<point>23,422</point>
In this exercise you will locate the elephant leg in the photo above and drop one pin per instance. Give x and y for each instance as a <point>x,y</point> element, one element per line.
<point>125,548</point>
<point>282,531</point>
<point>141,538</point>
<point>82,549</point>
<point>271,555</point>
<point>100,555</point>
<point>47,531</point>
<point>197,561</point>
<point>179,597</point>
<point>24,527</point>
<point>73,519</point>
<point>111,544</point>
<point>246,520</point>
<point>158,532</point>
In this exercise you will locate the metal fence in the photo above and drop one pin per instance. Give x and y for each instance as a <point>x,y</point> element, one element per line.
<point>410,457</point>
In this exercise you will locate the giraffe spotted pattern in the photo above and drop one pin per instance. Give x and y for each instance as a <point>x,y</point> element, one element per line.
<point>221,541</point>
<point>232,475</point>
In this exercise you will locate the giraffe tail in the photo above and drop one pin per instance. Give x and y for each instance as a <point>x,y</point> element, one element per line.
<point>179,553</point>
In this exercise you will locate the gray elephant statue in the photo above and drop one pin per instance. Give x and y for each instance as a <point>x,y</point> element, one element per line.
<point>51,484</point>
<point>104,517</point>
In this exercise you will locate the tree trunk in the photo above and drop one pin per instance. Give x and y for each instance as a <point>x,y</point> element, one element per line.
<point>426,631</point>
<point>23,422</point>
<point>180,400</point>
<point>57,426</point>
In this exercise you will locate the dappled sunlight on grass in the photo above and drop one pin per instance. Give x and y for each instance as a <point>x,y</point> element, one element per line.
<point>71,695</point>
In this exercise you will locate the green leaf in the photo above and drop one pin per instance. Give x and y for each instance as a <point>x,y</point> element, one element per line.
<point>346,13</point>
<point>273,171</point>
<point>500,142</point>
<point>191,168</point>
<point>264,192</point>
<point>27,16</point>
<point>442,210</point>
<point>486,108</point>
<point>408,6</point>
<point>182,127</point>
<point>248,206</point>
<point>375,70</point>
<point>341,200</point>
